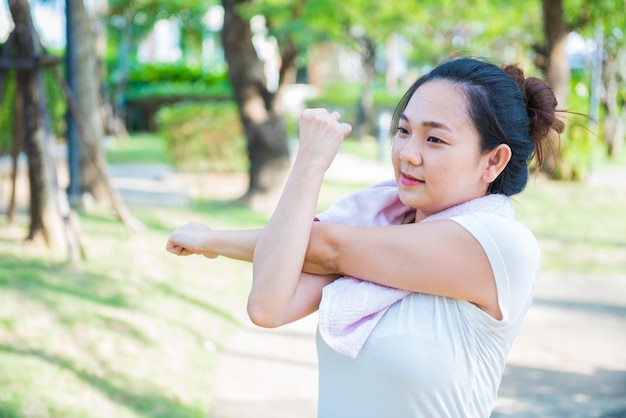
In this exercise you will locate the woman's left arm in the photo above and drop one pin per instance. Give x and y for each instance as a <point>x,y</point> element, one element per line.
<point>280,250</point>
<point>440,258</point>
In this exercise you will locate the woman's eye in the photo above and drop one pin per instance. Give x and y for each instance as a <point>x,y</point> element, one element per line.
<point>401,130</point>
<point>434,139</point>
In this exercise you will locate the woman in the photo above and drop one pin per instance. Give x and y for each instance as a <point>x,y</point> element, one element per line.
<point>437,274</point>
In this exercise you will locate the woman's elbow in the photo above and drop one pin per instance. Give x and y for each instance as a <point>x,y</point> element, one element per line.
<point>263,315</point>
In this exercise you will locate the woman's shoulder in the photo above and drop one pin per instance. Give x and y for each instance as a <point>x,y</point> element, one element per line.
<point>514,256</point>
<point>502,236</point>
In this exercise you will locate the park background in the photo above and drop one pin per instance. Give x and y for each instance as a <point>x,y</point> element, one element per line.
<point>130,118</point>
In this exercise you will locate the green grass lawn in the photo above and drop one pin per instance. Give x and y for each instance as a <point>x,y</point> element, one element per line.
<point>580,228</point>
<point>134,332</point>
<point>142,148</point>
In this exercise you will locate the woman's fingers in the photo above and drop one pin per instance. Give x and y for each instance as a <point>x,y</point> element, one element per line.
<point>186,239</point>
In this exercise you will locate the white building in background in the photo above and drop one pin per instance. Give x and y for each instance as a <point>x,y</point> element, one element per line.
<point>212,52</point>
<point>48,18</point>
<point>266,48</point>
<point>6,25</point>
<point>162,43</point>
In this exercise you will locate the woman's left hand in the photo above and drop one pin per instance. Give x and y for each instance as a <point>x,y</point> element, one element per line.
<point>321,134</point>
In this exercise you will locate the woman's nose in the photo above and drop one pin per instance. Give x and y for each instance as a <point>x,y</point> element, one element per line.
<point>411,152</point>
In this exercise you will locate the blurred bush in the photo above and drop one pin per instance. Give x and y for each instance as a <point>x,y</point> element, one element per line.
<point>153,85</point>
<point>203,136</point>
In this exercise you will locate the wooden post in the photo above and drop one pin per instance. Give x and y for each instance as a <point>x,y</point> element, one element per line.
<point>18,134</point>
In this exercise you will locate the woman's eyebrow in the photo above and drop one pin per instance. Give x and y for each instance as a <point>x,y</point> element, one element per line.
<point>428,123</point>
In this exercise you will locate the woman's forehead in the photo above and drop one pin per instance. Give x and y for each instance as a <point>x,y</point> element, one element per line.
<point>437,102</point>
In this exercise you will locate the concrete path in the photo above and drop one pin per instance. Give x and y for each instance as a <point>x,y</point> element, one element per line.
<point>569,360</point>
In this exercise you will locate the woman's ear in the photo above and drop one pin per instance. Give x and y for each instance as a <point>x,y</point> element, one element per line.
<point>497,160</point>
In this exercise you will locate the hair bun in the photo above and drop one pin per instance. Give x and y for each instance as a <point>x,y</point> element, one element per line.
<point>516,73</point>
<point>541,104</point>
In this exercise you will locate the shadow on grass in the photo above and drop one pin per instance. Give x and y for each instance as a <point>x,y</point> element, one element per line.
<point>52,284</point>
<point>146,403</point>
<point>39,280</point>
<point>212,309</point>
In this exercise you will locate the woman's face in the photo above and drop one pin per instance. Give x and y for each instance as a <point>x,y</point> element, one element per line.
<point>436,151</point>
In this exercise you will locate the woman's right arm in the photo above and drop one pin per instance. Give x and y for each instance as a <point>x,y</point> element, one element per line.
<point>198,238</point>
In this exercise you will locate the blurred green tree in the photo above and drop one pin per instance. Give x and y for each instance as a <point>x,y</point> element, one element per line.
<point>534,35</point>
<point>603,22</point>
<point>296,25</point>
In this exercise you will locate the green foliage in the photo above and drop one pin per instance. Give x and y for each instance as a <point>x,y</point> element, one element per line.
<point>466,26</point>
<point>57,105</point>
<point>173,72</point>
<point>302,24</point>
<point>577,151</point>
<point>579,142</point>
<point>220,90</point>
<point>203,136</point>
<point>56,108</point>
<point>135,18</point>
<point>344,97</point>
<point>176,80</point>
<point>6,115</point>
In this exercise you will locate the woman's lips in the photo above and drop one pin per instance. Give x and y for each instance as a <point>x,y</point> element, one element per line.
<point>408,180</point>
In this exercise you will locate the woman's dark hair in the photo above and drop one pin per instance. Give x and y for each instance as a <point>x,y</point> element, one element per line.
<point>506,108</point>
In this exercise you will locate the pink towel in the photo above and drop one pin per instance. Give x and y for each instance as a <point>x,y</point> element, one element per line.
<point>351,308</point>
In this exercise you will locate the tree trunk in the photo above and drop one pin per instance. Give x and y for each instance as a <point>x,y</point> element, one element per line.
<point>366,113</point>
<point>557,71</point>
<point>556,31</point>
<point>98,163</point>
<point>85,110</point>
<point>87,96</point>
<point>46,222</point>
<point>259,109</point>
<point>16,148</point>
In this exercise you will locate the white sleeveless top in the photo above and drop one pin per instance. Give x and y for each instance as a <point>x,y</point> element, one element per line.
<point>431,356</point>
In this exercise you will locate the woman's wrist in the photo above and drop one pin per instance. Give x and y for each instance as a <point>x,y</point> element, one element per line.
<point>235,244</point>
<point>308,172</point>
